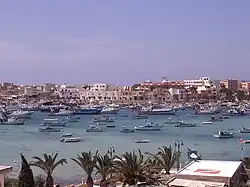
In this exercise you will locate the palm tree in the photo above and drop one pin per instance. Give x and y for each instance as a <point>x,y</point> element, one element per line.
<point>48,165</point>
<point>87,161</point>
<point>104,166</point>
<point>131,168</point>
<point>166,157</point>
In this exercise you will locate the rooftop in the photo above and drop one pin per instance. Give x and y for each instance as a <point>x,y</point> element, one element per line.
<point>5,168</point>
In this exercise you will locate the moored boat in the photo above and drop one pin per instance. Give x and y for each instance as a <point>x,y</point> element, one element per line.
<point>49,129</point>
<point>12,121</point>
<point>140,117</point>
<point>67,135</point>
<point>88,111</point>
<point>54,122</point>
<point>244,141</point>
<point>148,127</point>
<point>224,135</point>
<point>126,130</point>
<point>94,128</point>
<point>71,139</point>
<point>142,141</point>
<point>244,130</point>
<point>62,112</point>
<point>185,124</point>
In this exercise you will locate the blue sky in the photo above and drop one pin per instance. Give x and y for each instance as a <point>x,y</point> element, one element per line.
<point>123,41</point>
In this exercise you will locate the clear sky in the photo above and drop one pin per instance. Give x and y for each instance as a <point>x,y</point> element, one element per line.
<point>123,41</point>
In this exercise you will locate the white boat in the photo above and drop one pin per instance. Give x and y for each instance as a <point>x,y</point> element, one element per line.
<point>94,128</point>
<point>140,117</point>
<point>223,134</point>
<point>142,141</point>
<point>207,122</point>
<point>71,139</point>
<point>13,121</point>
<point>148,127</point>
<point>244,141</point>
<point>244,130</point>
<point>110,125</point>
<point>126,130</point>
<point>67,135</point>
<point>109,110</point>
<point>157,111</point>
<point>54,122</point>
<point>21,114</point>
<point>49,129</point>
<point>171,121</point>
<point>72,119</point>
<point>106,119</point>
<point>62,112</point>
<point>186,124</point>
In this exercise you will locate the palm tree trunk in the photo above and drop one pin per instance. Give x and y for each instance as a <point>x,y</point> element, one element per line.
<point>104,183</point>
<point>90,182</point>
<point>49,181</point>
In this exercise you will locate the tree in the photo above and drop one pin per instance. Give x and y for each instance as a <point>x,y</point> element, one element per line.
<point>104,166</point>
<point>26,178</point>
<point>246,161</point>
<point>132,168</point>
<point>87,161</point>
<point>166,157</point>
<point>48,165</point>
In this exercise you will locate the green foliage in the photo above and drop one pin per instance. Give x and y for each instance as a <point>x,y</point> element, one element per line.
<point>26,178</point>
<point>10,182</point>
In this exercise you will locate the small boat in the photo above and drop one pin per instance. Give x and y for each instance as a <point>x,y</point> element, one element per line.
<point>49,129</point>
<point>54,122</point>
<point>207,122</point>
<point>67,135</point>
<point>142,141</point>
<point>215,118</point>
<point>106,119</point>
<point>186,124</point>
<point>62,112</point>
<point>110,110</point>
<point>126,130</point>
<point>71,139</point>
<point>94,128</point>
<point>148,127</point>
<point>124,116</point>
<point>244,141</point>
<point>110,126</point>
<point>224,134</point>
<point>244,130</point>
<point>12,121</point>
<point>72,119</point>
<point>171,121</point>
<point>140,117</point>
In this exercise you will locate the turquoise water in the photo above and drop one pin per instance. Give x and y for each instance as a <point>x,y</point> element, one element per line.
<point>27,140</point>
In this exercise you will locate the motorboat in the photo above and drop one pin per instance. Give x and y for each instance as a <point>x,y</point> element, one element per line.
<point>171,121</point>
<point>106,119</point>
<point>49,129</point>
<point>54,122</point>
<point>72,119</point>
<point>157,111</point>
<point>224,134</point>
<point>62,112</point>
<point>110,125</point>
<point>244,141</point>
<point>71,139</point>
<point>21,114</point>
<point>94,128</point>
<point>88,111</point>
<point>215,118</point>
<point>244,130</point>
<point>140,117</point>
<point>186,124</point>
<point>126,130</point>
<point>67,135</point>
<point>12,121</point>
<point>142,141</point>
<point>109,110</point>
<point>207,122</point>
<point>148,127</point>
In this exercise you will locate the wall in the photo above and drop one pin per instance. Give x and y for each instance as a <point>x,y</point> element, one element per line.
<point>1,179</point>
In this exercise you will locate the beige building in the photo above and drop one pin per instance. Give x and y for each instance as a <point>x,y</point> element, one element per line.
<point>230,84</point>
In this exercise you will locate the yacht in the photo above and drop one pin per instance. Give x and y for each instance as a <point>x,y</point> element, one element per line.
<point>186,124</point>
<point>54,122</point>
<point>62,112</point>
<point>224,134</point>
<point>109,110</point>
<point>21,114</point>
<point>126,130</point>
<point>71,139</point>
<point>94,128</point>
<point>148,127</point>
<point>244,130</point>
<point>12,121</point>
<point>49,129</point>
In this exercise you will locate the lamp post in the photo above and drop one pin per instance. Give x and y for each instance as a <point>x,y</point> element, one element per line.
<point>178,144</point>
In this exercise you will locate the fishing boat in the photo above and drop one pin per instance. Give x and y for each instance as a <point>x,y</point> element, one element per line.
<point>148,127</point>
<point>244,141</point>
<point>94,128</point>
<point>224,135</point>
<point>49,129</point>
<point>185,124</point>
<point>71,139</point>
<point>142,141</point>
<point>244,130</point>
<point>54,122</point>
<point>126,130</point>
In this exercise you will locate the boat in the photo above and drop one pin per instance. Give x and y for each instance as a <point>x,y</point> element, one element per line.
<point>223,134</point>
<point>126,130</point>
<point>94,128</point>
<point>12,121</point>
<point>62,112</point>
<point>109,110</point>
<point>215,118</point>
<point>67,135</point>
<point>157,111</point>
<point>142,141</point>
<point>207,111</point>
<point>186,124</point>
<point>21,114</point>
<point>148,127</point>
<point>140,117</point>
<point>49,129</point>
<point>71,139</point>
<point>207,122</point>
<point>110,126</point>
<point>244,141</point>
<point>88,111</point>
<point>54,122</point>
<point>244,130</point>
<point>106,119</point>
<point>72,119</point>
<point>171,121</point>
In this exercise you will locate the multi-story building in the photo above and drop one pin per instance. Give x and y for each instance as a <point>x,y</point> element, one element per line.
<point>230,84</point>
<point>68,92</point>
<point>30,90</point>
<point>245,86</point>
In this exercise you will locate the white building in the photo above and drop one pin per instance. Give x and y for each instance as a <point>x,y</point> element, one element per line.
<point>3,171</point>
<point>69,93</point>
<point>98,87</point>
<point>100,95</point>
<point>203,81</point>
<point>30,90</point>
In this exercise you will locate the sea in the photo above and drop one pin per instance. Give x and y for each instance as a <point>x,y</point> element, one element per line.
<point>28,140</point>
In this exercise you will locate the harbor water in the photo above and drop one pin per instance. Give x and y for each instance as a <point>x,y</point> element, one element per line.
<point>28,140</point>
